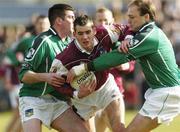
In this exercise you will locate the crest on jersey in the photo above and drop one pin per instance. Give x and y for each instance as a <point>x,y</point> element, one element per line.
<point>102,50</point>
<point>30,53</point>
<point>25,64</point>
<point>53,69</point>
<point>133,42</point>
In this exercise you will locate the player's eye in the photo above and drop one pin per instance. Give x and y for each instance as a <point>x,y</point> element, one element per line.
<point>80,33</point>
<point>88,32</point>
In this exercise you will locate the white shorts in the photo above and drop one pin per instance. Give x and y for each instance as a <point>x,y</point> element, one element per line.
<point>45,108</point>
<point>163,103</point>
<point>100,99</point>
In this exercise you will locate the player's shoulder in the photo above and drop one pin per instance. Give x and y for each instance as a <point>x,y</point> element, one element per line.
<point>68,52</point>
<point>40,39</point>
<point>101,32</point>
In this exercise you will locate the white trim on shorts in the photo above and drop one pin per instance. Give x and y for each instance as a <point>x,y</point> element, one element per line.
<point>163,103</point>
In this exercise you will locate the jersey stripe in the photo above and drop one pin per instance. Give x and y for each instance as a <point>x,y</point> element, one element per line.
<point>150,67</point>
<point>26,59</point>
<point>164,61</point>
<point>143,39</point>
<point>146,26</point>
<point>77,61</point>
<point>45,84</point>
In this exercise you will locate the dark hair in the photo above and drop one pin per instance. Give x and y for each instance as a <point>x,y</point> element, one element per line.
<point>145,7</point>
<point>58,10</point>
<point>82,20</point>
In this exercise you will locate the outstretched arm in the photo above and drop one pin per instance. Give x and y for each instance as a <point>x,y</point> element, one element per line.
<point>101,63</point>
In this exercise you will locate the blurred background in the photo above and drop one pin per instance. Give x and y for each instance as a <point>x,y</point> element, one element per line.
<point>18,17</point>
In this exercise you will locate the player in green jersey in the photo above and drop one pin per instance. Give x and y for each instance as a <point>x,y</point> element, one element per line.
<point>39,102</point>
<point>153,50</point>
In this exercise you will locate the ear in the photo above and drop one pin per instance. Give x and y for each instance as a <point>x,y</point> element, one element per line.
<point>94,30</point>
<point>147,17</point>
<point>58,20</point>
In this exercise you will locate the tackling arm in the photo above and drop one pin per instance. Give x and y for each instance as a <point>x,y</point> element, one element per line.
<point>107,61</point>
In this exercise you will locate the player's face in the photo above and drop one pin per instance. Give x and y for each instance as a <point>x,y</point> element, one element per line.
<point>85,36</point>
<point>104,18</point>
<point>135,20</point>
<point>42,25</point>
<point>68,21</point>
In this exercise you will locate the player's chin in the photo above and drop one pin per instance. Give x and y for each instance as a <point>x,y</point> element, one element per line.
<point>89,47</point>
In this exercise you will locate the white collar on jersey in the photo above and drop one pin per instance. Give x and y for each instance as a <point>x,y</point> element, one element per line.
<point>82,49</point>
<point>150,23</point>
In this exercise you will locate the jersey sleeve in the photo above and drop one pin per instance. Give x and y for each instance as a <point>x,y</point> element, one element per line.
<point>113,31</point>
<point>126,32</point>
<point>33,58</point>
<point>60,69</point>
<point>143,43</point>
<point>108,60</point>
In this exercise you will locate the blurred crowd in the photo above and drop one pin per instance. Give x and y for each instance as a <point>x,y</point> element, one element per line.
<point>168,19</point>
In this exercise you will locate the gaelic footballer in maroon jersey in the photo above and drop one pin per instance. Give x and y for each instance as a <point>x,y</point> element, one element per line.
<point>75,54</point>
<point>90,43</point>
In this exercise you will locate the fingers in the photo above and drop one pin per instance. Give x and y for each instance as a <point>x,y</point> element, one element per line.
<point>124,47</point>
<point>92,86</point>
<point>89,86</point>
<point>56,80</point>
<point>70,76</point>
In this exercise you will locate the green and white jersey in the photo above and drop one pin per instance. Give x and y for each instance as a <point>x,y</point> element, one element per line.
<point>22,46</point>
<point>39,59</point>
<point>152,49</point>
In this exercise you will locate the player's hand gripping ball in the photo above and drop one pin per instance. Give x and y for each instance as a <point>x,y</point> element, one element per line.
<point>82,79</point>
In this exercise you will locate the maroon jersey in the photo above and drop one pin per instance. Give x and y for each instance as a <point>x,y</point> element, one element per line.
<point>74,55</point>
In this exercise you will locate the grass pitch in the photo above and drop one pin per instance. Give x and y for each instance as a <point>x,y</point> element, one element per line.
<point>173,127</point>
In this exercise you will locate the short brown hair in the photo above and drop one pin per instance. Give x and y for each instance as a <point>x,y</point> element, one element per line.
<point>82,20</point>
<point>103,9</point>
<point>145,7</point>
<point>58,10</point>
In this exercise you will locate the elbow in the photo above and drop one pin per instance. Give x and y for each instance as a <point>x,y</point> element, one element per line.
<point>24,79</point>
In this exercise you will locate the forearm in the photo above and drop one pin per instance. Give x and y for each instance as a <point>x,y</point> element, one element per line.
<point>107,61</point>
<point>33,77</point>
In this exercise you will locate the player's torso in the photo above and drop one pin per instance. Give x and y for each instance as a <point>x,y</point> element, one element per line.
<point>160,67</point>
<point>44,50</point>
<point>72,56</point>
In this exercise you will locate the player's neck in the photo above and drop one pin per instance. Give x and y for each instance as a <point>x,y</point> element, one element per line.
<point>61,33</point>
